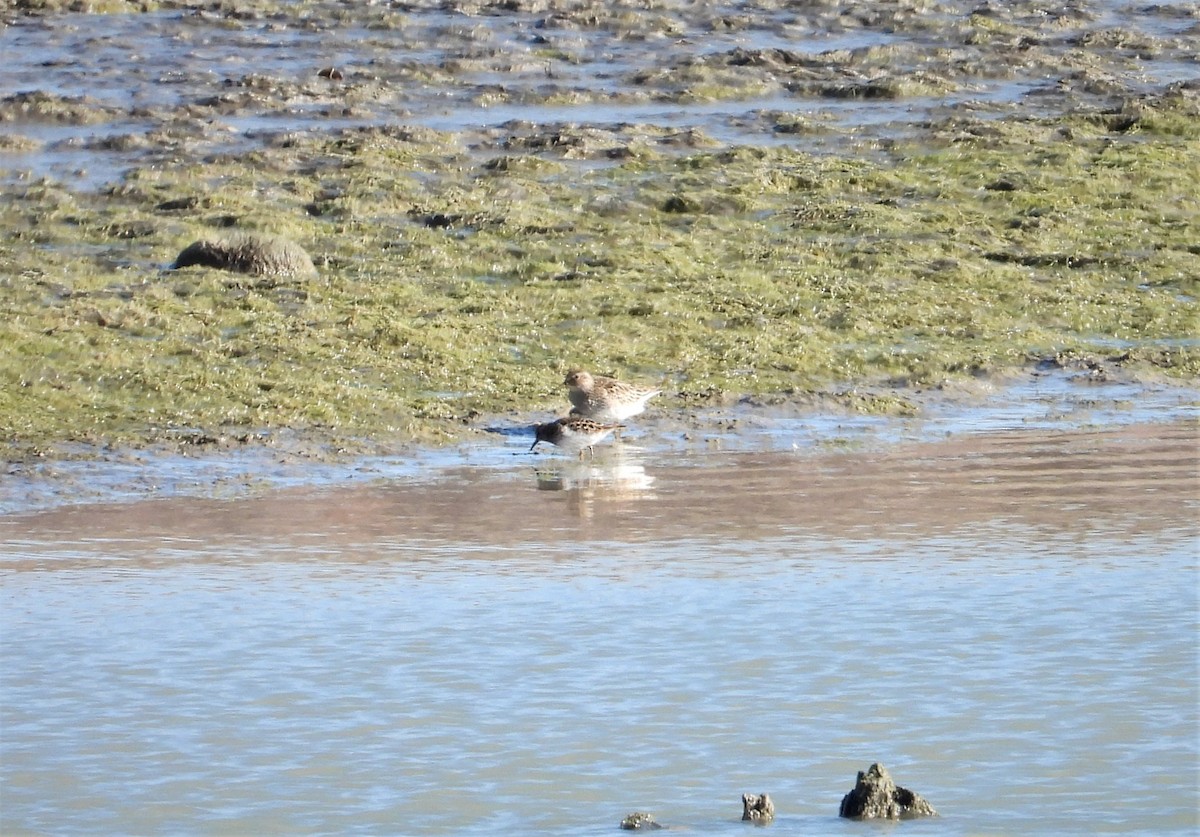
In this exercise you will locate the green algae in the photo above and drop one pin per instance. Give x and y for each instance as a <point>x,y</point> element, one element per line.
<point>454,284</point>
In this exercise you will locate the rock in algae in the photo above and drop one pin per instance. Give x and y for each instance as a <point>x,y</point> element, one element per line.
<point>257,255</point>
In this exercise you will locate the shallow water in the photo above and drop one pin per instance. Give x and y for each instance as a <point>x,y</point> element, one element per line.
<point>197,82</point>
<point>1040,398</point>
<point>1007,621</point>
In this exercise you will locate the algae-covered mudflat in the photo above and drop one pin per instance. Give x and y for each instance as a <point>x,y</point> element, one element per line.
<point>718,200</point>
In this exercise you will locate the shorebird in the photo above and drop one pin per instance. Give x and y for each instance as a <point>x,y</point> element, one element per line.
<point>573,433</point>
<point>605,399</point>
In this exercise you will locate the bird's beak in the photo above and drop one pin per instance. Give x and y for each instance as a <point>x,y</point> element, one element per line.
<point>534,445</point>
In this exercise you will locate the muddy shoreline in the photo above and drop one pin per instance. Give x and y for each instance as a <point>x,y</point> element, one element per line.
<point>577,80</point>
<point>1046,402</point>
<point>841,206</point>
<point>1117,480</point>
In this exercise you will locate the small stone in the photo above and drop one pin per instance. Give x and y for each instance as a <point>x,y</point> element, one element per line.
<point>639,820</point>
<point>757,808</point>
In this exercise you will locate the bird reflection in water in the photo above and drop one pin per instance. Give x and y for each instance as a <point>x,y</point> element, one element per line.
<point>586,483</point>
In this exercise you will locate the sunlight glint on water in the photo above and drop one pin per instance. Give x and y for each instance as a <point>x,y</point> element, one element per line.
<point>1018,680</point>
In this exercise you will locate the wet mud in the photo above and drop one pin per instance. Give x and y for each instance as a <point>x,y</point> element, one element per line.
<point>1062,482</point>
<point>806,436</point>
<point>727,200</point>
<point>88,95</point>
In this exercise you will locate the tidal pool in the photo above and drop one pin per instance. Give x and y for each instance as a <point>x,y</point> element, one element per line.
<point>1007,621</point>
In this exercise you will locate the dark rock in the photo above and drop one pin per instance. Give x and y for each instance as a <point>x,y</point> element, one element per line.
<point>175,204</point>
<point>639,820</point>
<point>757,808</point>
<point>677,204</point>
<point>257,255</point>
<point>876,796</point>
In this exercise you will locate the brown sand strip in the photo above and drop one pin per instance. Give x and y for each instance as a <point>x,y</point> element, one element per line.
<point>1124,481</point>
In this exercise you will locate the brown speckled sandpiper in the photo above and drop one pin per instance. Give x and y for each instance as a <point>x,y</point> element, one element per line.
<point>573,433</point>
<point>605,399</point>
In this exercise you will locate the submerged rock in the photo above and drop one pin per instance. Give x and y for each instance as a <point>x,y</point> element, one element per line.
<point>757,807</point>
<point>876,797</point>
<point>639,820</point>
<point>257,255</point>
